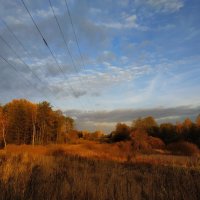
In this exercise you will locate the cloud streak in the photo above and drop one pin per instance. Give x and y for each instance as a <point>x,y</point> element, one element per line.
<point>163,5</point>
<point>110,118</point>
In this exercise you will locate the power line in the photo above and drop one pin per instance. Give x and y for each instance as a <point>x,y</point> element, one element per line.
<point>15,69</point>
<point>42,36</point>
<point>63,36</point>
<point>46,44</point>
<point>75,35</point>
<point>18,71</point>
<point>76,38</point>
<point>13,34</point>
<point>9,46</point>
<point>24,77</point>
<point>36,76</point>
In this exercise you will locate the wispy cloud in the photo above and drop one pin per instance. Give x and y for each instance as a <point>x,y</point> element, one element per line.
<point>108,119</point>
<point>127,22</point>
<point>163,5</point>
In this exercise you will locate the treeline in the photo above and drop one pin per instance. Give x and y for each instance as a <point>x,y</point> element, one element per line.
<point>24,122</point>
<point>148,128</point>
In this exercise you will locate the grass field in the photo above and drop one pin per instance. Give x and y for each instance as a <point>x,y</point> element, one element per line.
<point>89,170</point>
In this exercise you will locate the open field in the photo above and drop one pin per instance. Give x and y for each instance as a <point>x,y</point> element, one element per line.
<point>119,152</point>
<point>88,171</point>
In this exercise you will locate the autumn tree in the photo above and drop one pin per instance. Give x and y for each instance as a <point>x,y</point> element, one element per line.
<point>58,126</point>
<point>167,132</point>
<point>122,132</point>
<point>69,124</point>
<point>187,123</point>
<point>145,123</point>
<point>23,122</point>
<point>34,120</point>
<point>19,121</point>
<point>3,126</point>
<point>44,122</point>
<point>198,120</point>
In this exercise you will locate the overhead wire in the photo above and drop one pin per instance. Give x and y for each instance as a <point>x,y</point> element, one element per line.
<point>65,42</point>
<point>29,68</point>
<point>17,71</point>
<point>24,48</point>
<point>76,38</point>
<point>46,44</point>
<point>75,35</point>
<point>62,34</point>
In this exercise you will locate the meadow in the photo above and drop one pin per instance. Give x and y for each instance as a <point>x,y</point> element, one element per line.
<point>91,170</point>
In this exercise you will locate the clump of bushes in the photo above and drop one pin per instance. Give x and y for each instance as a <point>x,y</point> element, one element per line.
<point>139,140</point>
<point>183,148</point>
<point>121,133</point>
<point>56,152</point>
<point>156,143</point>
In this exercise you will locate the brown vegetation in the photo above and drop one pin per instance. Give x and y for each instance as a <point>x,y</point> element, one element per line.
<point>59,175</point>
<point>183,148</point>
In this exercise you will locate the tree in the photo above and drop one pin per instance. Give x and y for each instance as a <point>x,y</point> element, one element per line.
<point>198,120</point>
<point>34,120</point>
<point>167,132</point>
<point>147,124</point>
<point>58,127</point>
<point>3,126</point>
<point>24,122</point>
<point>121,133</point>
<point>187,123</point>
<point>19,121</point>
<point>44,122</point>
<point>69,124</point>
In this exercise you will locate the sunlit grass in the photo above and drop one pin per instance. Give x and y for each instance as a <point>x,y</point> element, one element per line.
<point>119,152</point>
<point>87,170</point>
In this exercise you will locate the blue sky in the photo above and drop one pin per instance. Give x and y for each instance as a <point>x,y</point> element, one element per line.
<point>138,56</point>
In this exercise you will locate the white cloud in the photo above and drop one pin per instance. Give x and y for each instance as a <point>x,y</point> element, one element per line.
<point>163,5</point>
<point>128,22</point>
<point>99,80</point>
<point>131,18</point>
<point>47,13</point>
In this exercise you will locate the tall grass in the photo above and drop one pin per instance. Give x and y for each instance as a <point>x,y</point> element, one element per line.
<point>59,175</point>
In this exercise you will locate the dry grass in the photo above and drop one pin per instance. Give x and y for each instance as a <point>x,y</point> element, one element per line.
<point>54,174</point>
<point>120,152</point>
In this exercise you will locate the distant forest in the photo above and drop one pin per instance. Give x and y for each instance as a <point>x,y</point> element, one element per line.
<point>146,132</point>
<point>24,122</point>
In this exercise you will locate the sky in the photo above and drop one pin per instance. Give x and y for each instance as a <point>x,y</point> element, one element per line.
<point>117,61</point>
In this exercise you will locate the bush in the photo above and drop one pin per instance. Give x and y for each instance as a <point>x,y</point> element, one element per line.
<point>183,148</point>
<point>140,140</point>
<point>72,136</point>
<point>56,152</point>
<point>121,133</point>
<point>156,143</point>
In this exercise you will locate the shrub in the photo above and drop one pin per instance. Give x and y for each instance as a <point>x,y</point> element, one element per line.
<point>140,140</point>
<point>156,143</point>
<point>183,148</point>
<point>56,152</point>
<point>121,133</point>
<point>72,136</point>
